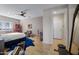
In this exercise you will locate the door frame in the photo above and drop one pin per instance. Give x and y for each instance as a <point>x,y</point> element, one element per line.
<point>64,10</point>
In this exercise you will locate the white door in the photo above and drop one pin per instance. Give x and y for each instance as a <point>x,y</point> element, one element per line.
<point>58,26</point>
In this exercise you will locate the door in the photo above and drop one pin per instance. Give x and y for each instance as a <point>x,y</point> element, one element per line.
<point>58,26</point>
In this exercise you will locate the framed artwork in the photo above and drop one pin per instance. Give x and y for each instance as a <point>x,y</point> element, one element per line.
<point>29,26</point>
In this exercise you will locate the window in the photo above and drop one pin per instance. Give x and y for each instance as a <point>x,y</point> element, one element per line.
<point>0,25</point>
<point>5,25</point>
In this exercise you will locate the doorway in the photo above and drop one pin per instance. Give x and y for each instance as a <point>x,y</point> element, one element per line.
<point>59,28</point>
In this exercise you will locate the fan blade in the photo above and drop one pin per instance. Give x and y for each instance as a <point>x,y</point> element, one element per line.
<point>26,9</point>
<point>21,15</point>
<point>18,14</point>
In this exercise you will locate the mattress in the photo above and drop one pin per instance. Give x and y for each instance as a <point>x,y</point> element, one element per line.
<point>12,36</point>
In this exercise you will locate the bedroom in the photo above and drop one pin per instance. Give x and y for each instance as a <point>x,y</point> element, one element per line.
<point>28,27</point>
<point>14,26</point>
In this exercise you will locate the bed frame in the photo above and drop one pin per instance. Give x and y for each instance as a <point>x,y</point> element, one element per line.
<point>12,44</point>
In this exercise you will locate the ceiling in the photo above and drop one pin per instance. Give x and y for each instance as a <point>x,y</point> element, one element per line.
<point>35,10</point>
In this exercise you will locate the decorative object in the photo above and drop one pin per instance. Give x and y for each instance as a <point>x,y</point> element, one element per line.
<point>29,26</point>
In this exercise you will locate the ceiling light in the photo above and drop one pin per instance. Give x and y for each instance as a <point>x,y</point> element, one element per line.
<point>54,12</point>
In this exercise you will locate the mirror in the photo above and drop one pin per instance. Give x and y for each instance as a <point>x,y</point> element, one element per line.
<point>74,44</point>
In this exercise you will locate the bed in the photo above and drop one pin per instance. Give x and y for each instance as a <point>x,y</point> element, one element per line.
<point>12,39</point>
<point>12,36</point>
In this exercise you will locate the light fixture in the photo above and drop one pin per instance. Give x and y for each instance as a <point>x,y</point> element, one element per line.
<point>54,12</point>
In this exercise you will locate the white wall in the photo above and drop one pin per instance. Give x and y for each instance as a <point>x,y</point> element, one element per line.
<point>36,24</point>
<point>47,27</point>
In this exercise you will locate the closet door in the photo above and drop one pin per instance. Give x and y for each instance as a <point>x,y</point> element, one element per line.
<point>58,26</point>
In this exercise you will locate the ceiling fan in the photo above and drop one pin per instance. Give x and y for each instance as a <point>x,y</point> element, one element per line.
<point>23,13</point>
